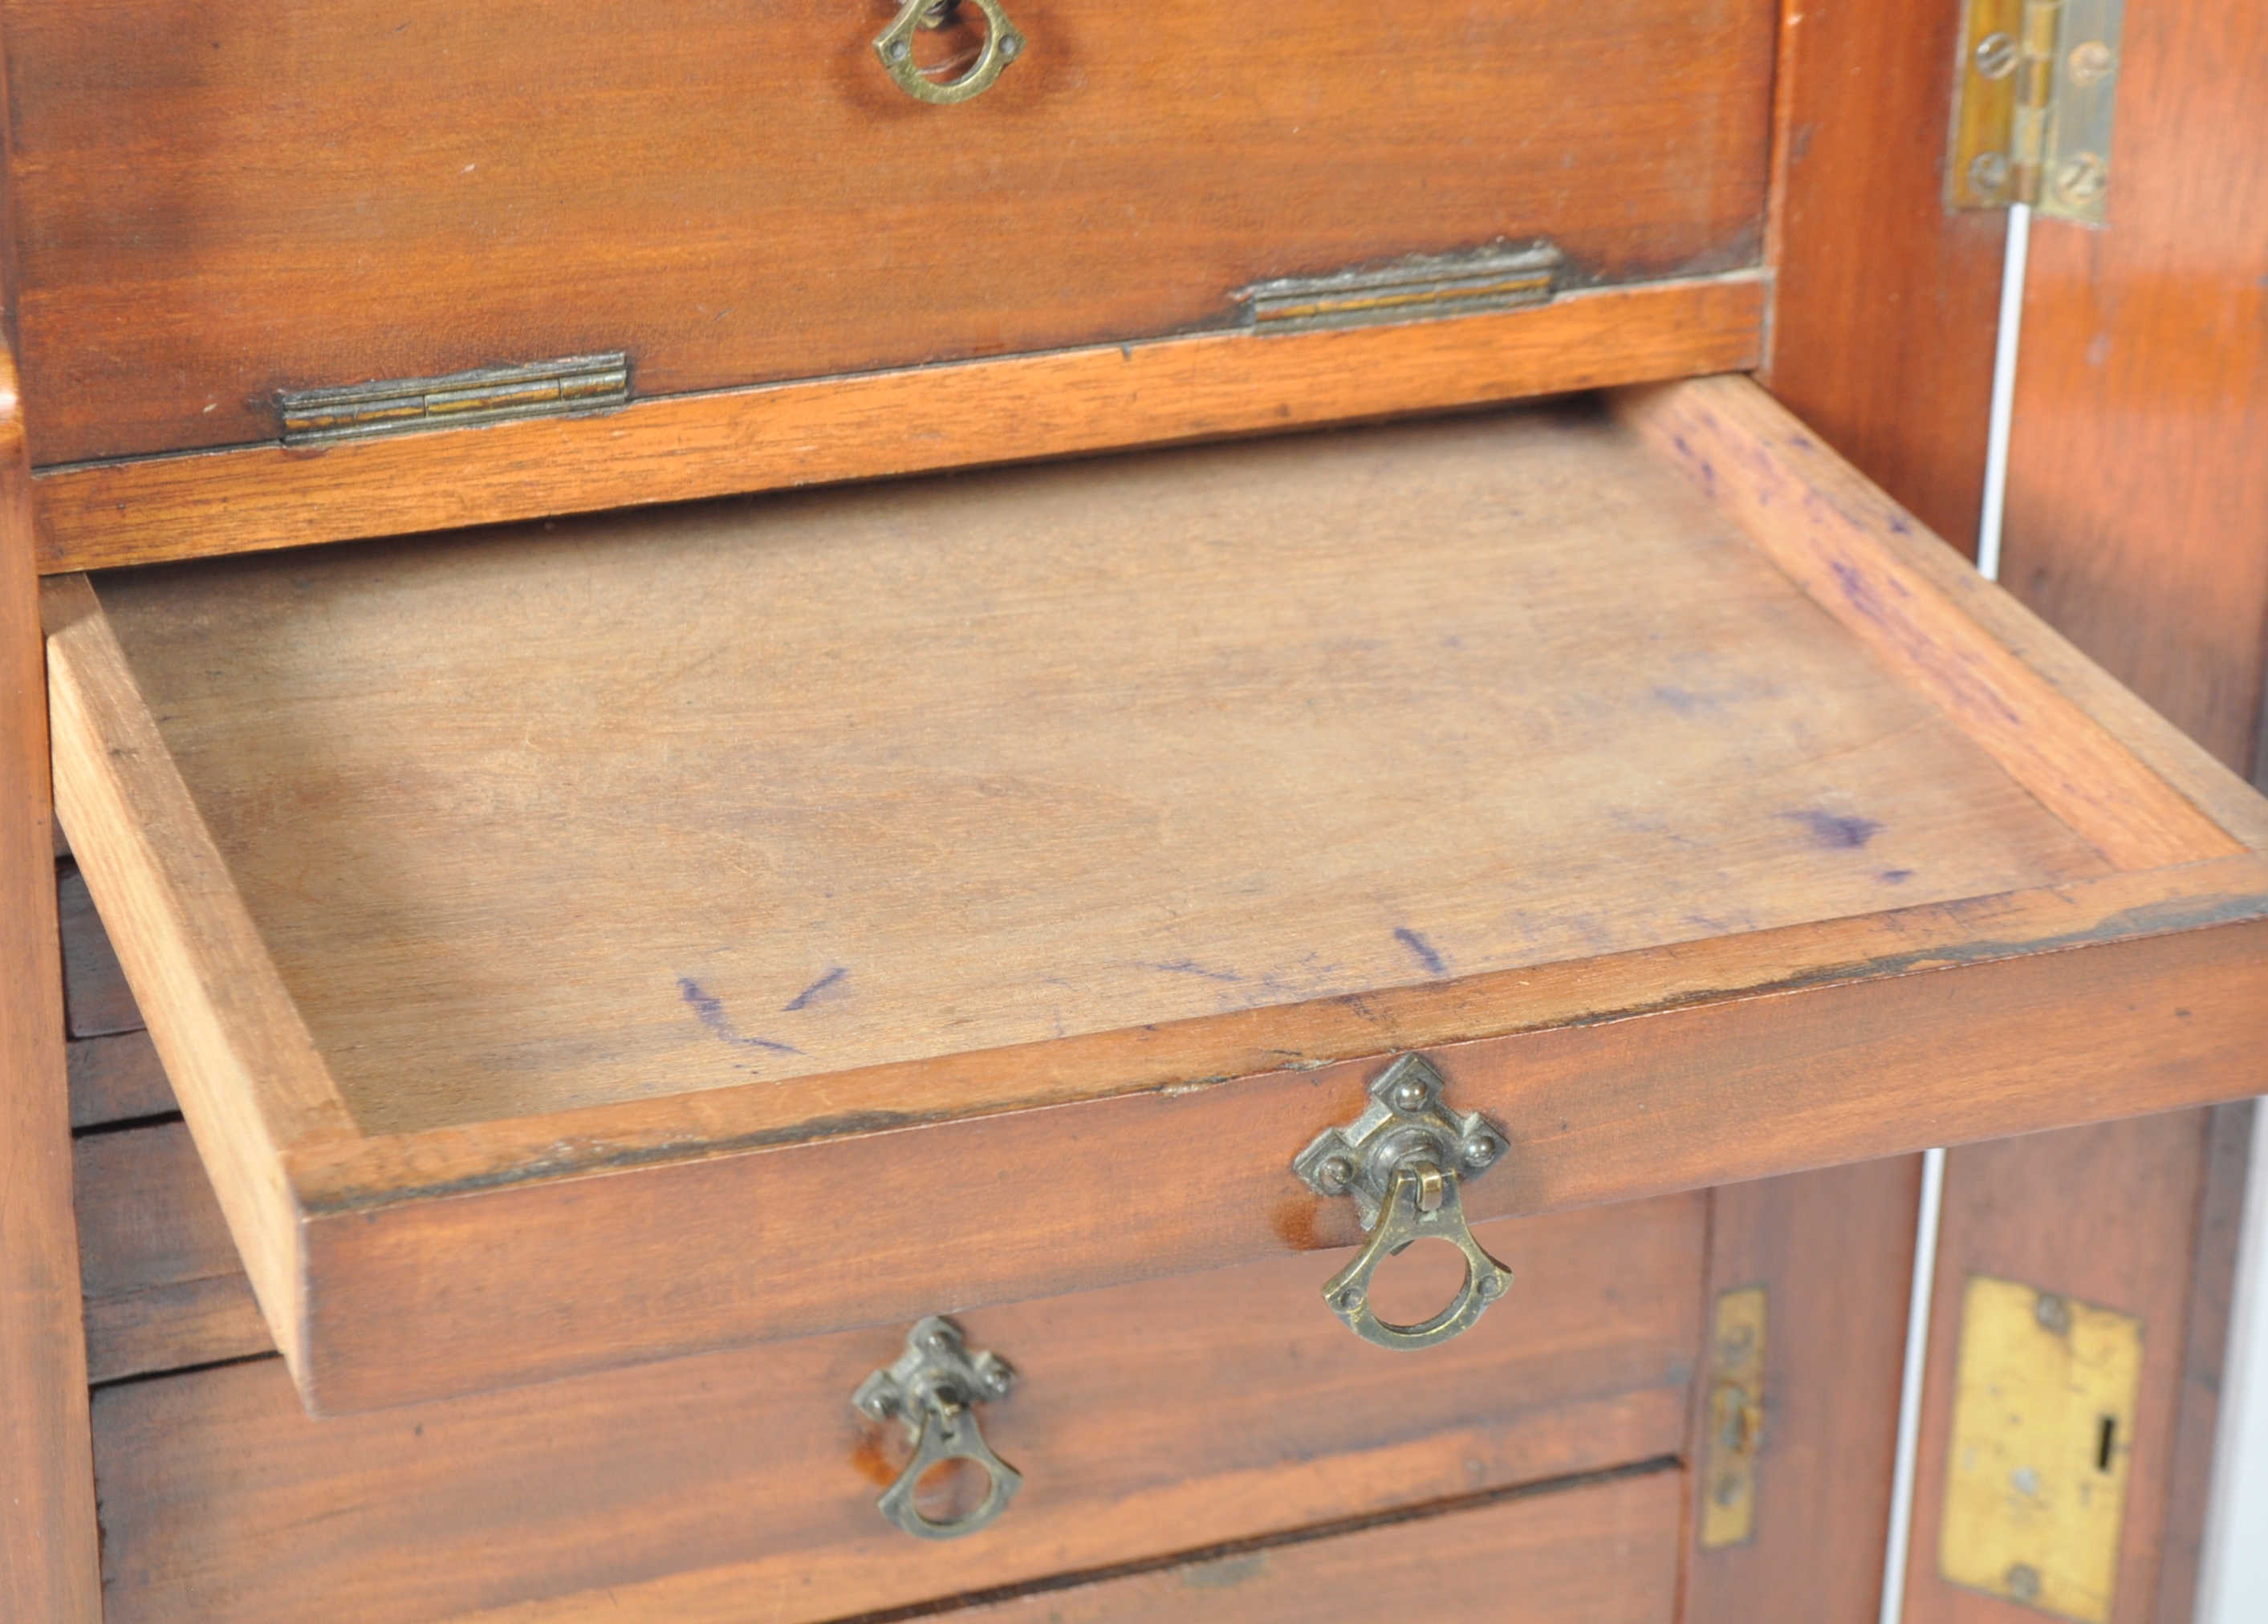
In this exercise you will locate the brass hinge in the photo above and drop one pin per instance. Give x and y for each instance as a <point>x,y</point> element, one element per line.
<point>575,384</point>
<point>1734,1424</point>
<point>1502,275</point>
<point>2031,114</point>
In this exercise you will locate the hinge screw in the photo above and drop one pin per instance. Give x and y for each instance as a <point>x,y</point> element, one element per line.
<point>1409,1096</point>
<point>1996,56</point>
<point>1479,1151</point>
<point>2082,177</point>
<point>2090,63</point>
<point>1335,1173</point>
<point>1988,174</point>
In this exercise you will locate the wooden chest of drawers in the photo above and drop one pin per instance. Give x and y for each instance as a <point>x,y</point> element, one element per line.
<point>617,970</point>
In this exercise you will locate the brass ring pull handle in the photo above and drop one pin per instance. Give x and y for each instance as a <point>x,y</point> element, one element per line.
<point>895,45</point>
<point>931,1389</point>
<point>1405,1219</point>
<point>1405,1160</point>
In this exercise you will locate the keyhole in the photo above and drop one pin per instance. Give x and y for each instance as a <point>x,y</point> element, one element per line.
<point>2104,1439</point>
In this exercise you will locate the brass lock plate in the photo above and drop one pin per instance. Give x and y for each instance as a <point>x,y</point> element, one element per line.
<point>2043,1430</point>
<point>1735,1419</point>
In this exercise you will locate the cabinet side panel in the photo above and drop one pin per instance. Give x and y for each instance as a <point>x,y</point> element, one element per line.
<point>1886,302</point>
<point>1834,1252</point>
<point>47,1551</point>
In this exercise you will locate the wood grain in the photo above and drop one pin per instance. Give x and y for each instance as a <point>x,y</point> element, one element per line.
<point>674,449</point>
<point>2138,473</point>
<point>48,1536</point>
<point>164,1286</point>
<point>248,1080</point>
<point>1154,740</point>
<point>2204,1352</point>
<point>2128,1250</point>
<point>1169,1416</point>
<point>404,189</point>
<point>1605,1554</point>
<point>1825,525</point>
<point>117,1079</point>
<point>97,1001</point>
<point>456,1276</point>
<point>1364,662</point>
<point>1885,302</point>
<point>1834,1250</point>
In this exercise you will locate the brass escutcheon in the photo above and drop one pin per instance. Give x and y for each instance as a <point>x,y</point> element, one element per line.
<point>1404,1161</point>
<point>895,45</point>
<point>931,1390</point>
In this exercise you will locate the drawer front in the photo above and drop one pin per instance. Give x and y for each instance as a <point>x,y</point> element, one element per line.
<point>1600,1553</point>
<point>1174,1416</point>
<point>301,196</point>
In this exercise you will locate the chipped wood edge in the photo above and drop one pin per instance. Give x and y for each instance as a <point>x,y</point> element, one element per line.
<point>677,448</point>
<point>249,1079</point>
<point>1860,557</point>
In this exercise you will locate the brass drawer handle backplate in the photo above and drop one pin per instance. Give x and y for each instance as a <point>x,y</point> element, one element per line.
<point>931,1390</point>
<point>895,45</point>
<point>1403,1160</point>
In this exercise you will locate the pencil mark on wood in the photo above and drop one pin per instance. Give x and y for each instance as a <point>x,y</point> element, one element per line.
<point>1185,966</point>
<point>1835,828</point>
<point>825,989</point>
<point>1421,949</point>
<point>710,1009</point>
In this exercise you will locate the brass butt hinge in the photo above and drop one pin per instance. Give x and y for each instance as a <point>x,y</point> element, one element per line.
<point>570,386</point>
<point>1502,275</point>
<point>2031,113</point>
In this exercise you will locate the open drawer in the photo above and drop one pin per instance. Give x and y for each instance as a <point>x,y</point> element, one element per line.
<point>604,941</point>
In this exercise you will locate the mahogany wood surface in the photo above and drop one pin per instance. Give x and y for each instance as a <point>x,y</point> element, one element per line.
<point>672,449</point>
<point>117,1079</point>
<point>164,1286</point>
<point>2138,473</point>
<point>474,1285</point>
<point>2205,1350</point>
<point>772,791</point>
<point>97,1001</point>
<point>442,1235</point>
<point>1834,1251</point>
<point>1605,1554</point>
<point>47,1536</point>
<point>1836,535</point>
<point>1171,1416</point>
<point>2138,479</point>
<point>2128,1249</point>
<point>214,205</point>
<point>1885,302</point>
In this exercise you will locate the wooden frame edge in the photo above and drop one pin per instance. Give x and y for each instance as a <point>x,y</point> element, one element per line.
<point>50,1554</point>
<point>245,1070</point>
<point>1857,554</point>
<point>676,448</point>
